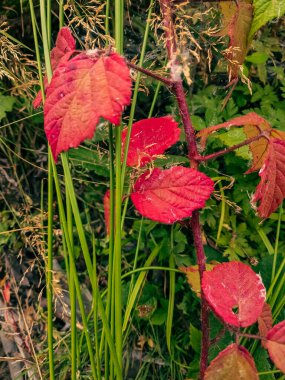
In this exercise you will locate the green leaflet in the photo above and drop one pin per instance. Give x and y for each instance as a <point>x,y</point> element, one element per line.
<point>232,137</point>
<point>6,105</point>
<point>265,11</point>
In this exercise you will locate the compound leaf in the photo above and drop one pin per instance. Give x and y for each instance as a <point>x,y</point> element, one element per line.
<point>234,292</point>
<point>83,89</point>
<point>170,195</point>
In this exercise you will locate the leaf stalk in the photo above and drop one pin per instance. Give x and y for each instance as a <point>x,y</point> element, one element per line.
<point>230,149</point>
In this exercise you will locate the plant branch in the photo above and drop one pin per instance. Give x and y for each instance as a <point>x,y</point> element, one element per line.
<point>168,82</point>
<point>178,90</point>
<point>230,149</point>
<point>253,336</point>
<point>201,259</point>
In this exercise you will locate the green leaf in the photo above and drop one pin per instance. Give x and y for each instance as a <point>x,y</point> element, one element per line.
<point>195,338</point>
<point>257,58</point>
<point>194,368</point>
<point>159,316</point>
<point>262,73</point>
<point>216,331</point>
<point>6,105</point>
<point>263,364</point>
<point>265,11</point>
<point>198,122</point>
<point>91,160</point>
<point>170,160</point>
<point>232,137</point>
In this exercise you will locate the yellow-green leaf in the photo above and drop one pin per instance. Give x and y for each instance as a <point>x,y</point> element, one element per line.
<point>265,11</point>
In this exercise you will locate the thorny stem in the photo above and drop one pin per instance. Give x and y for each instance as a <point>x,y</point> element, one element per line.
<point>230,149</point>
<point>238,334</point>
<point>253,336</point>
<point>149,73</point>
<point>201,259</point>
<point>167,14</point>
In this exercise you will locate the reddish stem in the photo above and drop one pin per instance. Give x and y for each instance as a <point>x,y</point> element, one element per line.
<point>187,124</point>
<point>252,336</point>
<point>201,259</point>
<point>167,13</point>
<point>230,149</point>
<point>166,81</point>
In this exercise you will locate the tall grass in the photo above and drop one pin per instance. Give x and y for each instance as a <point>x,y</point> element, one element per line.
<point>70,220</point>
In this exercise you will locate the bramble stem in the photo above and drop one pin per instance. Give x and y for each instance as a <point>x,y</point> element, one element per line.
<point>187,124</point>
<point>149,73</point>
<point>230,149</point>
<point>178,90</point>
<point>253,336</point>
<point>201,259</point>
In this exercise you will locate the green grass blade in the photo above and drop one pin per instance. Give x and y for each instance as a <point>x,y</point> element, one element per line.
<point>135,94</point>
<point>265,240</point>
<point>138,286</point>
<point>49,277</point>
<point>171,297</point>
<point>116,270</point>
<point>50,205</point>
<point>72,293</point>
<point>276,243</point>
<point>88,262</point>
<point>222,217</point>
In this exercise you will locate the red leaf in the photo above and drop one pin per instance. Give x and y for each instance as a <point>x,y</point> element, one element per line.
<point>6,292</point>
<point>270,192</point>
<point>265,322</point>
<point>106,202</point>
<point>235,293</point>
<point>64,46</point>
<point>233,363</point>
<point>251,118</point>
<point>276,345</point>
<point>82,90</point>
<point>150,138</point>
<point>170,195</point>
